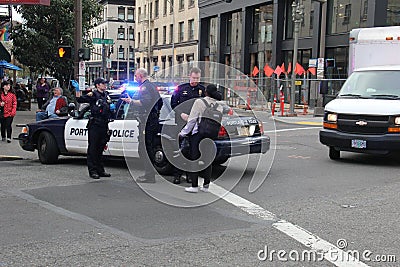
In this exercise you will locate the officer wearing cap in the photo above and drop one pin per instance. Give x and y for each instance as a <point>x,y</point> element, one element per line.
<point>182,101</point>
<point>149,104</point>
<point>98,132</point>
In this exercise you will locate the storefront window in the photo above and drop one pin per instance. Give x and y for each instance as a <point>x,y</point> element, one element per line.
<point>393,13</point>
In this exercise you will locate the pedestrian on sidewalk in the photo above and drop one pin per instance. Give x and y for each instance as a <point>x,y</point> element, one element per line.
<point>8,101</point>
<point>42,92</point>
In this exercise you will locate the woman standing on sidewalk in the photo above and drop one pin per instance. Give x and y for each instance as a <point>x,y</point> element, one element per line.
<point>8,101</point>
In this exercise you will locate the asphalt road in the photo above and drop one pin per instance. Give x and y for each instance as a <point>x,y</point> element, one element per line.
<point>55,215</point>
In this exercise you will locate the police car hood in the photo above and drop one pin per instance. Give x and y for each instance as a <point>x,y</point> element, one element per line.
<point>364,106</point>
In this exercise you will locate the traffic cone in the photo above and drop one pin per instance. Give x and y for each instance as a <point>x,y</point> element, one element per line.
<point>282,105</point>
<point>273,106</point>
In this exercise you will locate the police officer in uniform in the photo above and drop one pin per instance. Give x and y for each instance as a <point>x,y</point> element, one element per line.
<point>148,104</point>
<point>98,132</point>
<point>181,102</point>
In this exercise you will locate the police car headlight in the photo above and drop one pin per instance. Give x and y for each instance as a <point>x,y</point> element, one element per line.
<point>331,117</point>
<point>397,120</point>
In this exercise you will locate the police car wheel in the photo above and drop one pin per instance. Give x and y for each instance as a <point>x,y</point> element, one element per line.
<point>161,164</point>
<point>47,148</point>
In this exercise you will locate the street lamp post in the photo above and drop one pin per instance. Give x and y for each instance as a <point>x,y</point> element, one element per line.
<point>297,16</point>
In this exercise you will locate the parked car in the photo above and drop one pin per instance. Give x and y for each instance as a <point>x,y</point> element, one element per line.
<point>238,135</point>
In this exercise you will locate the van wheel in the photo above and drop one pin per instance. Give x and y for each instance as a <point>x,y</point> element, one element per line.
<point>333,153</point>
<point>47,148</point>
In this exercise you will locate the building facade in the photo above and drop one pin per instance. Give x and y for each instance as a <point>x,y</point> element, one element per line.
<point>117,25</point>
<point>244,34</point>
<point>167,35</point>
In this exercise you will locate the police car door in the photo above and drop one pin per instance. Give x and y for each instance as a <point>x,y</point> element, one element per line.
<point>124,134</point>
<point>76,134</point>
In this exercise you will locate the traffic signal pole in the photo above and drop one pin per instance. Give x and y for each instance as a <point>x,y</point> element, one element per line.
<point>78,36</point>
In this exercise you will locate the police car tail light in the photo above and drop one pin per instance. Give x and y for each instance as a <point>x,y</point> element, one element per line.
<point>261,126</point>
<point>25,130</point>
<point>222,132</point>
<point>230,112</point>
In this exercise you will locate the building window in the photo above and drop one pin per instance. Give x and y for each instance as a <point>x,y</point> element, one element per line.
<point>151,10</point>
<point>191,3</point>
<point>150,37</point>
<point>171,33</point>
<point>130,52</point>
<point>121,12</point>
<point>131,34</point>
<point>165,7</point>
<point>311,19</point>
<point>164,35</point>
<point>171,6</point>
<point>191,30</point>
<point>181,4</point>
<point>121,52</point>
<point>347,14</point>
<point>181,32</point>
<point>156,36</point>
<point>131,14</point>
<point>156,9</point>
<point>121,33</point>
<point>138,37</point>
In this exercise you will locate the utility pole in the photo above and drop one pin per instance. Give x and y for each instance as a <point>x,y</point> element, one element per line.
<point>297,16</point>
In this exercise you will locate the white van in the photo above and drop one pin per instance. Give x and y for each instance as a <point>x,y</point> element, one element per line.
<point>365,116</point>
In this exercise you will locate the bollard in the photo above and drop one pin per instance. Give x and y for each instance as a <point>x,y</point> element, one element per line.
<point>282,103</point>
<point>273,106</point>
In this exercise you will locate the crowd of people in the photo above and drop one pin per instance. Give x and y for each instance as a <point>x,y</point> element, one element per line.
<point>189,102</point>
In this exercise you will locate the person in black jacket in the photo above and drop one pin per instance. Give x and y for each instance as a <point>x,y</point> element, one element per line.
<point>149,104</point>
<point>181,102</point>
<point>98,132</point>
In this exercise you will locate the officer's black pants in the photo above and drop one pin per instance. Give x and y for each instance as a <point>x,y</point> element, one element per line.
<point>97,140</point>
<point>194,156</point>
<point>147,137</point>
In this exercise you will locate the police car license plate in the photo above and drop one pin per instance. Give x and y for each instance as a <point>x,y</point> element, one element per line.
<point>243,131</point>
<point>358,143</point>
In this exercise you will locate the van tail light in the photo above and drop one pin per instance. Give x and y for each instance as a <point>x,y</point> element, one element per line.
<point>222,132</point>
<point>230,112</point>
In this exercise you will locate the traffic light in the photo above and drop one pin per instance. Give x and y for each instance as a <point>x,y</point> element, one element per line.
<point>84,53</point>
<point>65,52</point>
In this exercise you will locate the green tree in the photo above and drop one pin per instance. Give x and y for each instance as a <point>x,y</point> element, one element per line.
<point>36,40</point>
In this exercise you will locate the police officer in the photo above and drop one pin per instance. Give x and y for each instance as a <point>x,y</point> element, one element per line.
<point>98,132</point>
<point>148,104</point>
<point>182,102</point>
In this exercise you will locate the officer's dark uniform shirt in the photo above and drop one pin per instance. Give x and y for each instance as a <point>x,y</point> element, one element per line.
<point>99,106</point>
<point>183,93</point>
<point>150,100</point>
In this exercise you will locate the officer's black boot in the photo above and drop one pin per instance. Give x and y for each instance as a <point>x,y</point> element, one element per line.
<point>177,179</point>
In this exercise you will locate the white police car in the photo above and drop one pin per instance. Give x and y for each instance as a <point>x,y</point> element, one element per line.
<point>68,136</point>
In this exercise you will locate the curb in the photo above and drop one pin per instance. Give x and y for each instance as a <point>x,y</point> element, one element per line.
<point>9,158</point>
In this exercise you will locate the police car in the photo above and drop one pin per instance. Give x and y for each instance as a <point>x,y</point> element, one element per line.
<point>238,135</point>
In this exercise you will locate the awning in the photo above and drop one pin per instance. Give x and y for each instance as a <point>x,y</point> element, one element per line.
<point>5,65</point>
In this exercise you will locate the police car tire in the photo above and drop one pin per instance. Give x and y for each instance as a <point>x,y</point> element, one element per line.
<point>47,148</point>
<point>165,167</point>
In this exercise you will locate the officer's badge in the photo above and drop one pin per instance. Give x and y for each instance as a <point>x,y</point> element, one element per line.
<point>184,93</point>
<point>200,92</point>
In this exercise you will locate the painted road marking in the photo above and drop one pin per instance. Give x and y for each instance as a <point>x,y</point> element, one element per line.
<point>292,129</point>
<point>301,235</point>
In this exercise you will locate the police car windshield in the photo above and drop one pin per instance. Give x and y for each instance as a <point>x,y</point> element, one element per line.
<point>383,84</point>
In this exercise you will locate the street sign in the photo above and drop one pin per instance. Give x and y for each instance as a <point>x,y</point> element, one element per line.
<point>156,68</point>
<point>103,41</point>
<point>82,68</point>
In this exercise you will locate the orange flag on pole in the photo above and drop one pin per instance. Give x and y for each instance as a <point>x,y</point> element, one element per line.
<point>283,67</point>
<point>299,70</point>
<point>312,71</point>
<point>289,68</point>
<point>268,70</point>
<point>278,70</point>
<point>255,71</point>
